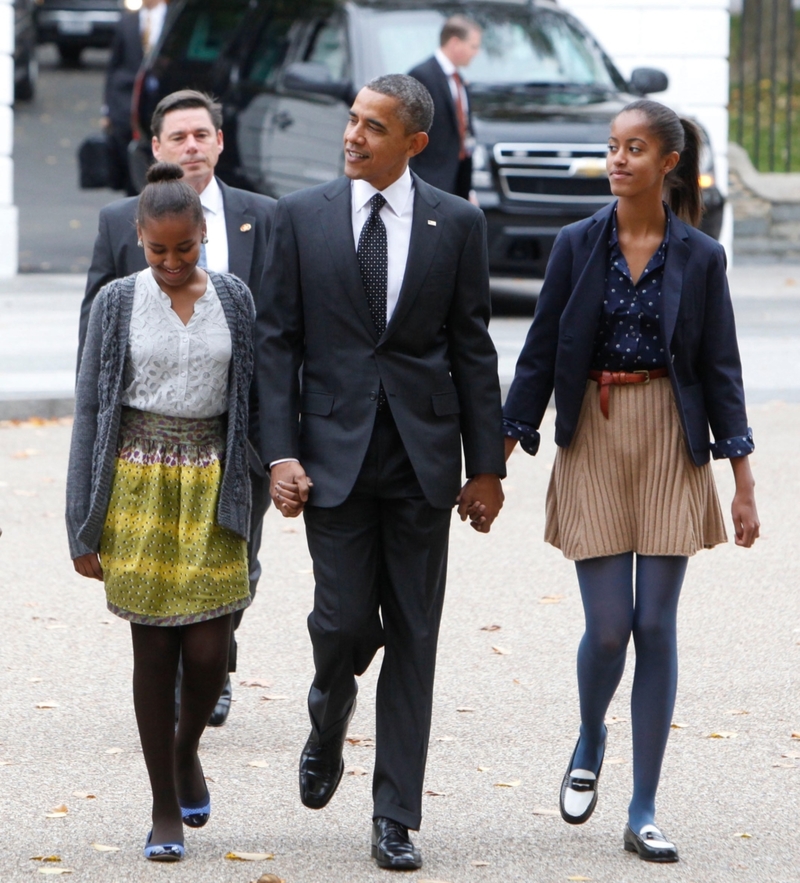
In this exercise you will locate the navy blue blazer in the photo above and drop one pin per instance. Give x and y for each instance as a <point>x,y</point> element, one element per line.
<point>697,328</point>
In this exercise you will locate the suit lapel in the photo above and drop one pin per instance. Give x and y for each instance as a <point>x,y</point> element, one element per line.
<point>587,294</point>
<point>240,227</point>
<point>674,265</point>
<point>336,221</point>
<point>421,249</point>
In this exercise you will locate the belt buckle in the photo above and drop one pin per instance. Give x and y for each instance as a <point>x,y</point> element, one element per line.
<point>646,372</point>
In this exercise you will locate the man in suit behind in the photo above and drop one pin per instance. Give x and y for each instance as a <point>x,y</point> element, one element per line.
<point>187,130</point>
<point>446,162</point>
<point>398,370</point>
<point>136,34</point>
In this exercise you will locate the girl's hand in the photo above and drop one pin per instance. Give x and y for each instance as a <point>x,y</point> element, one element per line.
<point>89,566</point>
<point>746,525</point>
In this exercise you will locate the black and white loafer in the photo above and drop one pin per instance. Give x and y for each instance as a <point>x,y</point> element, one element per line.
<point>578,796</point>
<point>650,843</point>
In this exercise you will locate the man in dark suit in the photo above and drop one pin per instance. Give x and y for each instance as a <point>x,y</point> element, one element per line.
<point>136,34</point>
<point>446,162</point>
<point>398,371</point>
<point>187,130</point>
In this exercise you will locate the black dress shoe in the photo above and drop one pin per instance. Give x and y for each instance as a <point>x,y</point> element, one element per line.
<point>321,764</point>
<point>220,714</point>
<point>578,796</point>
<point>650,843</point>
<point>392,848</point>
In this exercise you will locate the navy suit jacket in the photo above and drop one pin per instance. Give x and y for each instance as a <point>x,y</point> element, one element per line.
<point>436,360</point>
<point>697,328</point>
<point>123,65</point>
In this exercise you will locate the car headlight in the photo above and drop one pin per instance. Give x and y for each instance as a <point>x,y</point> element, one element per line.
<point>479,157</point>
<point>133,5</point>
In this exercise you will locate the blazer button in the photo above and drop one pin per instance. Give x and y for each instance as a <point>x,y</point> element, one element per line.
<point>373,396</point>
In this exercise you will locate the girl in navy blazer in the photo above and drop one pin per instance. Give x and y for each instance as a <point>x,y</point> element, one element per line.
<point>634,332</point>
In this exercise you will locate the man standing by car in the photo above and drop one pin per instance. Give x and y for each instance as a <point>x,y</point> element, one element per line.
<point>446,162</point>
<point>136,34</point>
<point>187,130</point>
<point>398,371</point>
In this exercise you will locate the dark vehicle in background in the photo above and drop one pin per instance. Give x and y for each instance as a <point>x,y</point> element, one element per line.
<point>74,25</point>
<point>542,93</point>
<point>26,68</point>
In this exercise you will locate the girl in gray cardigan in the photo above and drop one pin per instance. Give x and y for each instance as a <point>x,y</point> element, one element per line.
<point>158,492</point>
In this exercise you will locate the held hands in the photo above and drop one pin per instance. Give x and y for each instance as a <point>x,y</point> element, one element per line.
<point>289,487</point>
<point>481,500</point>
<point>88,566</point>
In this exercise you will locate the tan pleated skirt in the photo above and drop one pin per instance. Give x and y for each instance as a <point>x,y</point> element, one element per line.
<point>627,484</point>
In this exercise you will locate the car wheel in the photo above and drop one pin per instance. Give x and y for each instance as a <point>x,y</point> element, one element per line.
<point>25,89</point>
<point>70,54</point>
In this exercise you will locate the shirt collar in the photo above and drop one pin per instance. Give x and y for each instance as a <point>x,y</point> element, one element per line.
<point>444,62</point>
<point>396,194</point>
<point>211,198</point>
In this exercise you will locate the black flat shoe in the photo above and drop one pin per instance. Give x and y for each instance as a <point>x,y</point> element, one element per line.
<point>220,714</point>
<point>321,764</point>
<point>197,816</point>
<point>392,848</point>
<point>650,843</point>
<point>578,796</point>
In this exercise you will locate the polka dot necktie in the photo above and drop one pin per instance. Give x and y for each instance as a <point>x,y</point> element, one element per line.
<point>374,263</point>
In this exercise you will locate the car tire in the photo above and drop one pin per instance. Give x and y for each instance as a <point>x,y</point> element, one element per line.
<point>70,54</point>
<point>25,89</point>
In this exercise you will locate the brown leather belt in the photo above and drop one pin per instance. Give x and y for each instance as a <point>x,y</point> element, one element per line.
<point>606,379</point>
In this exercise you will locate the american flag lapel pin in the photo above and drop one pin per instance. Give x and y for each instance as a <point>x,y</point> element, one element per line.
<point>431,223</point>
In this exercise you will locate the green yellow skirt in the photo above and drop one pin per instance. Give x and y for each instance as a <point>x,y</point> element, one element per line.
<point>165,560</point>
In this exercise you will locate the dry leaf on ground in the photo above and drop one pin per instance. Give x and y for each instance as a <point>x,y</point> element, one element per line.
<point>678,726</point>
<point>83,795</point>
<point>795,735</point>
<point>270,878</point>
<point>794,755</point>
<point>484,769</point>
<point>490,628</point>
<point>432,793</point>
<point>479,864</point>
<point>578,877</point>
<point>544,811</point>
<point>723,734</point>
<point>113,751</point>
<point>550,599</point>
<point>57,812</point>
<point>255,682</point>
<point>515,783</point>
<point>737,711</point>
<point>743,835</point>
<point>463,709</point>
<point>45,858</point>
<point>101,847</point>
<point>356,771</point>
<point>361,741</point>
<point>501,651</point>
<point>615,720</point>
<point>249,856</point>
<point>273,697</point>
<point>6,762</point>
<point>259,764</point>
<point>55,871</point>
<point>43,705</point>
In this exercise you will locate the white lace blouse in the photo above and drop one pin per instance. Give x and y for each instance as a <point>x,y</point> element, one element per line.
<point>175,369</point>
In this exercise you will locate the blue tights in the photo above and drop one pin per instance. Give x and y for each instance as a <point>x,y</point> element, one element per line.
<point>613,612</point>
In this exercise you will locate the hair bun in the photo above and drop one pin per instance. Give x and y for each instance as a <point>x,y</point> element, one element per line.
<point>162,172</point>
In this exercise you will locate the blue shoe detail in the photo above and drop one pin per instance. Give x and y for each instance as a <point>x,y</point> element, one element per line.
<point>163,852</point>
<point>196,817</point>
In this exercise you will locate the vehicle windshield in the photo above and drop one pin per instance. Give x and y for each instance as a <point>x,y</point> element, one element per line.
<point>528,46</point>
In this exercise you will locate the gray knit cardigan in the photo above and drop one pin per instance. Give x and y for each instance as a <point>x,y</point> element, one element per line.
<point>98,408</point>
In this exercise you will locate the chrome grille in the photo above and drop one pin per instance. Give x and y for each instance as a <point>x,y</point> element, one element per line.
<point>560,173</point>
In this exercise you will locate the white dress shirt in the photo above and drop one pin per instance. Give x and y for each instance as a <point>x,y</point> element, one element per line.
<point>214,212</point>
<point>449,69</point>
<point>171,368</point>
<point>151,23</point>
<point>397,215</point>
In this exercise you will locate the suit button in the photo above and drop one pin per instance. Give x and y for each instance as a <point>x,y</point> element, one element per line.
<point>373,395</point>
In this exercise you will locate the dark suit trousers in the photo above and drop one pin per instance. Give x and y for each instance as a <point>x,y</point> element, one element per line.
<point>380,561</point>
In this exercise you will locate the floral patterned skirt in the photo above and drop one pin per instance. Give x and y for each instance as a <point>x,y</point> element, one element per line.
<point>165,560</point>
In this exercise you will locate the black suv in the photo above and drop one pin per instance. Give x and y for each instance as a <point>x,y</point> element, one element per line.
<point>74,25</point>
<point>542,94</point>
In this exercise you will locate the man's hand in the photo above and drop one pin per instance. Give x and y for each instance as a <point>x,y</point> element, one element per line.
<point>289,487</point>
<point>480,500</point>
<point>88,566</point>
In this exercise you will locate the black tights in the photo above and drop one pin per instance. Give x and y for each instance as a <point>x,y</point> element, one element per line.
<point>171,756</point>
<point>613,612</point>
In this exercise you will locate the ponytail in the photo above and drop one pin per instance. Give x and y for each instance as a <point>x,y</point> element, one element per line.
<point>680,136</point>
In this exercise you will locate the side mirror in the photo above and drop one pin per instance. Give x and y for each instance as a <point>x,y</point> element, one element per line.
<point>314,77</point>
<point>646,80</point>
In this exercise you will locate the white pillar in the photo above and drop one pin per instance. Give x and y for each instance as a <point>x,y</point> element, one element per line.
<point>689,40</point>
<point>9,221</point>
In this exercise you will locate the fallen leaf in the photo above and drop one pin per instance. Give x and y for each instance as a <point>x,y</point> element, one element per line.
<point>361,741</point>
<point>578,877</point>
<point>743,835</point>
<point>58,812</point>
<point>484,769</point>
<point>102,848</point>
<point>55,871</point>
<point>35,680</point>
<point>356,771</point>
<point>479,864</point>
<point>45,858</point>
<point>794,755</point>
<point>56,625</point>
<point>272,697</point>
<point>464,709</point>
<point>544,811</point>
<point>249,856</point>
<point>737,711</point>
<point>270,878</point>
<point>677,726</point>
<point>431,793</point>
<point>445,738</point>
<point>255,682</point>
<point>114,751</point>
<point>723,734</point>
<point>259,764</point>
<point>795,735</point>
<point>501,651</point>
<point>785,766</point>
<point>615,720</point>
<point>83,795</point>
<point>490,628</point>
<point>551,599</point>
<point>42,705</point>
<point>513,784</point>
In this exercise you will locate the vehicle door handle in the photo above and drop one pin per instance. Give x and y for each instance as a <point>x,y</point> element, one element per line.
<point>283,119</point>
